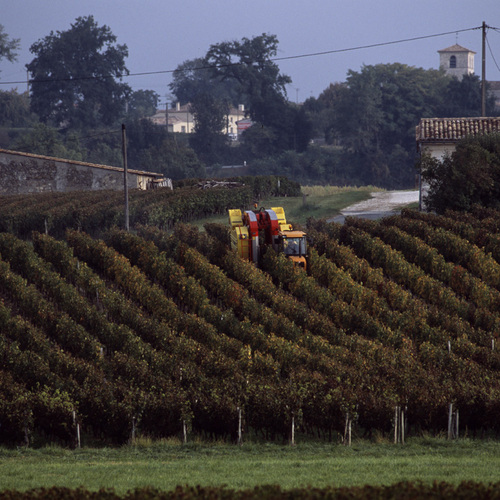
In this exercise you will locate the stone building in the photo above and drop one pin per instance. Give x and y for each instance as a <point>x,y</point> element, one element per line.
<point>31,173</point>
<point>457,61</point>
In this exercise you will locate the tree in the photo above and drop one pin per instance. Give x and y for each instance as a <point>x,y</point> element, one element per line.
<point>172,159</point>
<point>320,111</point>
<point>8,46</point>
<point>73,76</point>
<point>15,109</point>
<point>45,140</point>
<point>375,118</point>
<point>463,98</point>
<point>469,176</point>
<point>242,72</point>
<point>142,103</point>
<point>195,77</point>
<point>248,64</point>
<point>208,140</point>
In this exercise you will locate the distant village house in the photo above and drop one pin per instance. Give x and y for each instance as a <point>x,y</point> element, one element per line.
<point>181,120</point>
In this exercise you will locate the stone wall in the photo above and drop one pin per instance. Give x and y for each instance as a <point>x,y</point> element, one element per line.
<point>28,173</point>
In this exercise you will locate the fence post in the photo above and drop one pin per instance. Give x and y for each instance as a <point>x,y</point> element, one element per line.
<point>240,440</point>
<point>77,426</point>
<point>347,430</point>
<point>396,415</point>
<point>450,413</point>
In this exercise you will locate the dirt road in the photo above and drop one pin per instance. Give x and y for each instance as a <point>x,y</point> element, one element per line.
<point>382,204</point>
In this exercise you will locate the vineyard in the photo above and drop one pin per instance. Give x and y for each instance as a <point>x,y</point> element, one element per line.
<point>164,331</point>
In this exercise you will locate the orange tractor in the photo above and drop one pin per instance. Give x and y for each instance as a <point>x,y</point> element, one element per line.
<point>255,228</point>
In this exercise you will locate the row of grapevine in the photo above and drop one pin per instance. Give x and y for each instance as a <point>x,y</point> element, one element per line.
<point>434,355</point>
<point>397,296</point>
<point>469,288</point>
<point>167,332</point>
<point>453,248</point>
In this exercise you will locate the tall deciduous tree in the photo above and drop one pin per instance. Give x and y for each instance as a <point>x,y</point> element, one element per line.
<point>195,77</point>
<point>463,98</point>
<point>142,103</point>
<point>242,72</point>
<point>248,63</point>
<point>375,117</point>
<point>75,76</point>
<point>209,141</point>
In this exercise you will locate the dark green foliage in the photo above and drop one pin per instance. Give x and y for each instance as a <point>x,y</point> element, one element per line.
<point>15,109</point>
<point>74,76</point>
<point>209,140</point>
<point>470,176</point>
<point>47,141</point>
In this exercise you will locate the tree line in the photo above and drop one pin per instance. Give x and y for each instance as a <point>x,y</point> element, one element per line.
<point>356,132</point>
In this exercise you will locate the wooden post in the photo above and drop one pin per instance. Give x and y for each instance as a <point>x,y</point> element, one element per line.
<point>350,433</point>
<point>456,424</point>
<point>77,426</point>
<point>125,176</point>
<point>396,415</point>
<point>347,430</point>
<point>450,417</point>
<point>483,72</point>
<point>403,425</point>
<point>132,436</point>
<point>292,442</point>
<point>449,346</point>
<point>184,431</point>
<point>240,439</point>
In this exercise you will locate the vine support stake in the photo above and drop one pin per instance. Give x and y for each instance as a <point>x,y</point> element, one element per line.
<point>453,420</point>
<point>77,426</point>
<point>240,439</point>
<point>347,430</point>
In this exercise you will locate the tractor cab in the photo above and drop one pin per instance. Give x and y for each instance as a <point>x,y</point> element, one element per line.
<point>294,245</point>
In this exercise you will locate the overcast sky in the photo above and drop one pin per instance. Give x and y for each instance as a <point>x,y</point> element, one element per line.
<point>161,34</point>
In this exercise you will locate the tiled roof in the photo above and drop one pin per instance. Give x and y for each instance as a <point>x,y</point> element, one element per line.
<point>456,48</point>
<point>454,129</point>
<point>81,163</point>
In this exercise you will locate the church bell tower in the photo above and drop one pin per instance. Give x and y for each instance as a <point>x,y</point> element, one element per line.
<point>457,61</point>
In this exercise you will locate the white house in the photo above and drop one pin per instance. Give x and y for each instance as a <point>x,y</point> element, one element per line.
<point>181,120</point>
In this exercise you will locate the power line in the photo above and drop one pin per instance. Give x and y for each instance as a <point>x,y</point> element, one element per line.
<point>491,52</point>
<point>286,58</point>
<point>360,47</point>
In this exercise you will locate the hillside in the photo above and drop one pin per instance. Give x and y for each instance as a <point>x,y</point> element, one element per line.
<point>159,333</point>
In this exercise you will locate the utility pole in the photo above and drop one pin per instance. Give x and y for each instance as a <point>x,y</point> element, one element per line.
<point>483,74</point>
<point>125,175</point>
<point>166,115</point>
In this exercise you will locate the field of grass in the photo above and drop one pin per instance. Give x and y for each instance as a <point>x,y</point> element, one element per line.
<point>319,202</point>
<point>168,464</point>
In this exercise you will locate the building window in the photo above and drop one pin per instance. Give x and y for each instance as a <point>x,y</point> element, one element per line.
<point>453,62</point>
<point>183,129</point>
